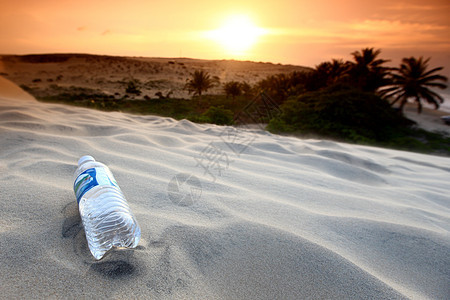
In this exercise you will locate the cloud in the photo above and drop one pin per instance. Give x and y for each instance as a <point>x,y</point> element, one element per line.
<point>402,6</point>
<point>81,28</point>
<point>386,33</point>
<point>369,32</point>
<point>106,32</point>
<point>385,26</point>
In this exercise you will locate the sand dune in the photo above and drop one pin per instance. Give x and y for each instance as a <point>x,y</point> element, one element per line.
<point>49,74</point>
<point>255,216</point>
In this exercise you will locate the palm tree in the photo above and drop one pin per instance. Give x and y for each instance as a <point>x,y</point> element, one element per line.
<point>332,72</point>
<point>233,89</point>
<point>277,86</point>
<point>413,80</point>
<point>200,82</point>
<point>367,70</point>
<point>246,89</point>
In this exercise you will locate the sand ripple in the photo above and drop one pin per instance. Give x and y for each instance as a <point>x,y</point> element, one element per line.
<point>273,217</point>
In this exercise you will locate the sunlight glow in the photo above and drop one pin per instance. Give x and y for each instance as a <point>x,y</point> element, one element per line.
<point>237,35</point>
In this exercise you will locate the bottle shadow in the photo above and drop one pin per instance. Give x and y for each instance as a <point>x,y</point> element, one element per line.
<point>114,265</point>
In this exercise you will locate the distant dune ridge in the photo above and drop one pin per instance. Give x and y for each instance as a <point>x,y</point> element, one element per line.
<point>284,218</point>
<point>110,74</point>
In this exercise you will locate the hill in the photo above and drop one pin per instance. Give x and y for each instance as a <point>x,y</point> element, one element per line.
<point>46,73</point>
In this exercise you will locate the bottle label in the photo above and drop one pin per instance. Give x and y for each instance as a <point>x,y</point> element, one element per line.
<point>91,178</point>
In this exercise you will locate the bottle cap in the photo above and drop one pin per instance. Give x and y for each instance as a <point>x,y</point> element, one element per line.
<point>84,159</point>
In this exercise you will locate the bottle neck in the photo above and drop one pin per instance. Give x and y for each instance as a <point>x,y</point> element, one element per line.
<point>85,159</point>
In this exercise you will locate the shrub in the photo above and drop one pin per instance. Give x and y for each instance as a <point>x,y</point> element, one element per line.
<point>339,112</point>
<point>219,115</point>
<point>132,88</point>
<point>198,118</point>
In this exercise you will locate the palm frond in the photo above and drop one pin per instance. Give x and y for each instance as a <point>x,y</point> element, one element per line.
<point>435,95</point>
<point>436,84</point>
<point>388,92</point>
<point>432,71</point>
<point>400,96</point>
<point>434,78</point>
<point>432,100</point>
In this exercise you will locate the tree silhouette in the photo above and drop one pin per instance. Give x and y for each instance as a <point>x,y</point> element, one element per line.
<point>246,88</point>
<point>233,89</point>
<point>413,80</point>
<point>329,73</point>
<point>367,71</point>
<point>200,82</point>
<point>277,86</point>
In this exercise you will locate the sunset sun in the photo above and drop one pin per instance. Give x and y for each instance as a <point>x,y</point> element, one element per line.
<point>237,34</point>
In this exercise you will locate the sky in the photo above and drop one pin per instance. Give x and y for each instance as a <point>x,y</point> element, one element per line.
<point>300,32</point>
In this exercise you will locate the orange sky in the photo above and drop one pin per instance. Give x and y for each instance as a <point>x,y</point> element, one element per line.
<point>296,31</point>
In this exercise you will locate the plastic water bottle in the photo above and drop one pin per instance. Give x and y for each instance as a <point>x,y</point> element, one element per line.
<point>107,218</point>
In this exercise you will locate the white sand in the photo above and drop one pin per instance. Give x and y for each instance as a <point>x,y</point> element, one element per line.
<point>285,219</point>
<point>429,119</point>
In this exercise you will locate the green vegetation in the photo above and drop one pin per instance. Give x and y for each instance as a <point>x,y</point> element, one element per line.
<point>348,114</point>
<point>216,109</point>
<point>219,115</point>
<point>339,112</point>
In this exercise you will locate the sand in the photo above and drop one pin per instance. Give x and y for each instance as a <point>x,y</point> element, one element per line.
<point>429,119</point>
<point>51,74</point>
<point>255,215</point>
